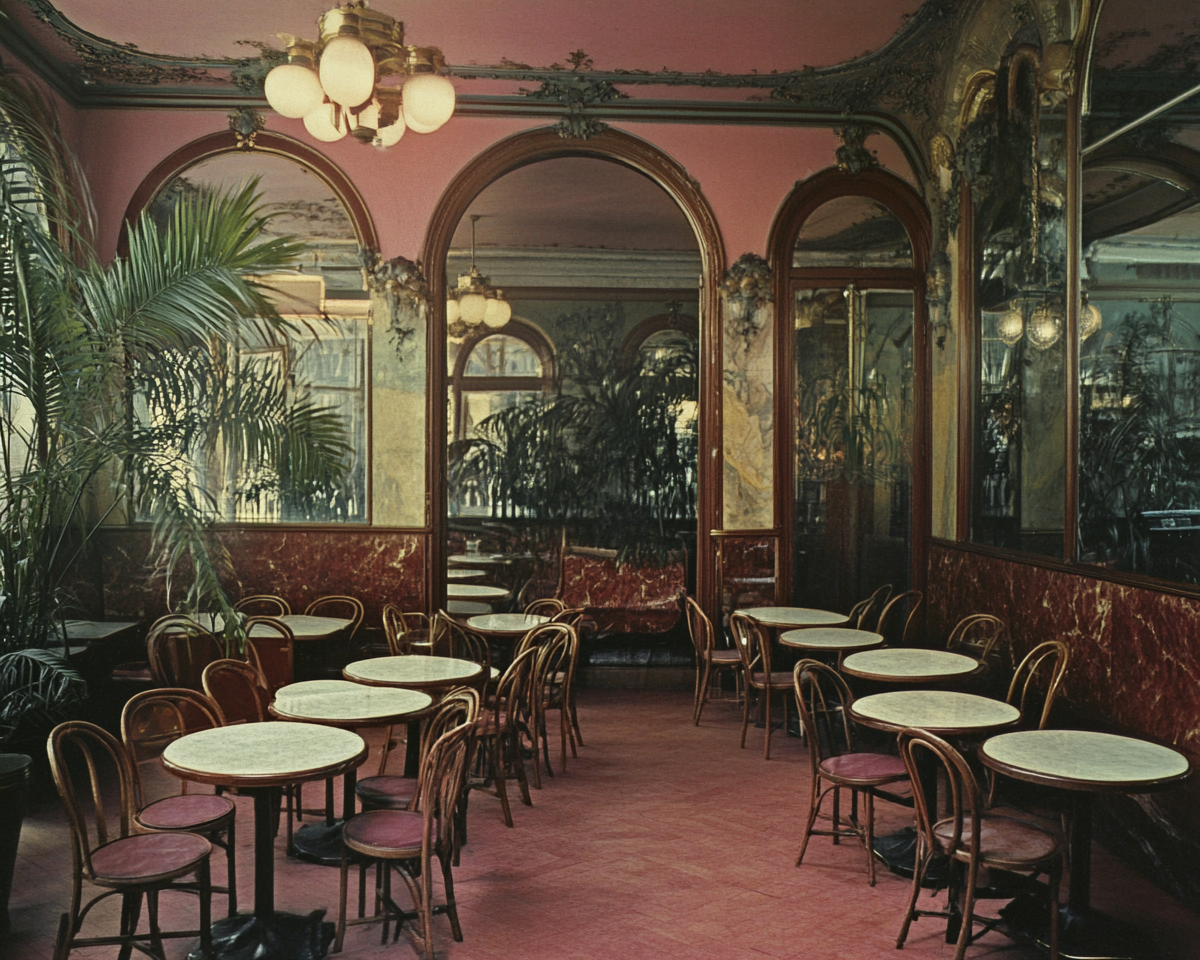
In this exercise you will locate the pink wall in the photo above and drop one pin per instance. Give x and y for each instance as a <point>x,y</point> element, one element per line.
<point>745,172</point>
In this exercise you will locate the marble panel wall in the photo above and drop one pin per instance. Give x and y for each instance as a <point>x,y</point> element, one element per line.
<point>747,572</point>
<point>1134,652</point>
<point>299,565</point>
<point>749,414</point>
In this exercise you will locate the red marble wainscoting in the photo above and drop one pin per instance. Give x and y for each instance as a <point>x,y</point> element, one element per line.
<point>1134,668</point>
<point>298,564</point>
<point>746,571</point>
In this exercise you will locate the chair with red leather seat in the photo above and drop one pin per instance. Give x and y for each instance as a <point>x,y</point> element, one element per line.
<point>823,700</point>
<point>754,646</point>
<point>149,722</point>
<point>122,862</point>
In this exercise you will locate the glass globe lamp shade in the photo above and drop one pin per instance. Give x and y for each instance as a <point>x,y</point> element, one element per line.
<point>472,307</point>
<point>452,313</point>
<point>1045,327</point>
<point>1090,319</point>
<point>293,90</point>
<point>1011,326</point>
<point>428,102</point>
<point>390,135</point>
<point>347,71</point>
<point>323,123</point>
<point>497,313</point>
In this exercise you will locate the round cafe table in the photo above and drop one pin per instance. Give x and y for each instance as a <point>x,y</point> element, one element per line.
<point>261,758</point>
<point>341,703</point>
<point>909,665</point>
<point>415,672</point>
<point>475,591</point>
<point>506,624</point>
<point>946,713</point>
<point>464,573</point>
<point>1084,763</point>
<point>795,618</point>
<point>837,640</point>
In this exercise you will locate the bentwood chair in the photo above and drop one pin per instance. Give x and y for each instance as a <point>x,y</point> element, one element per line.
<point>896,628</point>
<point>112,856</point>
<point>550,685</point>
<point>449,638</point>
<point>179,649</point>
<point>710,658</point>
<point>984,637</point>
<point>754,647</point>
<point>972,839</point>
<point>576,618</point>
<point>150,721</point>
<point>407,631</point>
<point>407,842</point>
<point>271,651</point>
<point>343,608</point>
<point>545,607</point>
<point>500,728</point>
<point>263,605</point>
<point>864,612</point>
<point>823,700</point>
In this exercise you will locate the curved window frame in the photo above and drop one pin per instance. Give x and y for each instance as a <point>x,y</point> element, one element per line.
<point>519,329</point>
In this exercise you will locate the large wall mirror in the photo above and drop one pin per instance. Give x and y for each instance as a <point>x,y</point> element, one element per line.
<point>1139,373</point>
<point>318,361</point>
<point>572,418</point>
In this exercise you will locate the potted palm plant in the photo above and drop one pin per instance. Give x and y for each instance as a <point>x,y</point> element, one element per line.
<point>111,377</point>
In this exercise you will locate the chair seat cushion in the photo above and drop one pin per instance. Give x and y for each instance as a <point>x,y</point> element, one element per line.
<point>867,768</point>
<point>149,855</point>
<point>725,656</point>
<point>186,812</point>
<point>1003,840</point>
<point>391,792</point>
<point>779,678</point>
<point>388,833</point>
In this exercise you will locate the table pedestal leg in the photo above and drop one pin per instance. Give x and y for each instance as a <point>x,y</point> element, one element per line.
<point>265,934</point>
<point>1083,933</point>
<point>321,843</point>
<point>412,750</point>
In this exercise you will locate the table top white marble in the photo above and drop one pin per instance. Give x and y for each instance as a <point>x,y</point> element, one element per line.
<point>908,665</point>
<point>96,629</point>
<point>830,638</point>
<point>344,703</point>
<point>467,608</point>
<point>475,591</point>
<point>1084,759</point>
<point>506,624</point>
<point>464,573</point>
<point>795,617</point>
<point>481,558</point>
<point>938,711</point>
<point>414,671</point>
<point>263,752</point>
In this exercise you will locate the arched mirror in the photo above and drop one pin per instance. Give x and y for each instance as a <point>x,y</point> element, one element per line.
<point>317,363</point>
<point>853,294</point>
<point>572,410</point>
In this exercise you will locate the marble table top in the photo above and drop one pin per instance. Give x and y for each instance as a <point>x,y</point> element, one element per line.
<point>1084,760</point>
<point>938,711</point>
<point>506,624</point>
<point>464,573</point>
<point>467,608</point>
<point>96,629</point>
<point>491,559</point>
<point>264,754</point>
<point>795,617</point>
<point>416,671</point>
<point>343,703</point>
<point>475,591</point>
<point>908,665</point>
<point>303,627</point>
<point>830,638</point>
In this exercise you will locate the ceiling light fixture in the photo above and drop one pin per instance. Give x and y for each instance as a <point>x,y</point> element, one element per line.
<point>335,84</point>
<point>475,300</point>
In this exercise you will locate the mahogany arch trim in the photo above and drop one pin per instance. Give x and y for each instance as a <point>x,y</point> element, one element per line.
<point>275,144</point>
<point>523,149</point>
<point>651,325</point>
<point>518,329</point>
<point>831,183</point>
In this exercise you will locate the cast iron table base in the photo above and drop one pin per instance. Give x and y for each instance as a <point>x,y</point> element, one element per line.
<point>282,936</point>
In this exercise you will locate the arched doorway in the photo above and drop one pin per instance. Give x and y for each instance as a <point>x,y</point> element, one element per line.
<point>850,255</point>
<point>630,152</point>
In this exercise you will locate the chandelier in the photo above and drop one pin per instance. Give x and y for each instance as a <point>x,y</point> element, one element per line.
<point>1042,322</point>
<point>336,84</point>
<point>475,300</point>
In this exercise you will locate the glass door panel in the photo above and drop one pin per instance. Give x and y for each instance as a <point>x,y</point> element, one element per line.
<point>853,419</point>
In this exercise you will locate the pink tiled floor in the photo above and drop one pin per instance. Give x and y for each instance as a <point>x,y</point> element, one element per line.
<point>662,840</point>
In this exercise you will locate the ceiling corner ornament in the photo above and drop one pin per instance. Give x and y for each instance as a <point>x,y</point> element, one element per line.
<point>402,285</point>
<point>577,92</point>
<point>360,78</point>
<point>245,122</point>
<point>852,156</point>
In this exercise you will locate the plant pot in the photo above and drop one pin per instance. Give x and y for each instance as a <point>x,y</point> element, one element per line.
<point>14,794</point>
